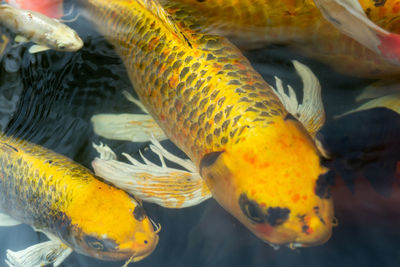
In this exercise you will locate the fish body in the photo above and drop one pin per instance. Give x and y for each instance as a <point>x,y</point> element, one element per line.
<point>38,28</point>
<point>258,161</point>
<point>58,196</point>
<point>300,25</point>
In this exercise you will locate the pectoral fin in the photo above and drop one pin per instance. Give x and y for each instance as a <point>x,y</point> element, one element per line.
<point>21,39</point>
<point>6,220</point>
<point>50,252</point>
<point>165,186</point>
<point>38,48</point>
<point>311,112</point>
<point>128,127</point>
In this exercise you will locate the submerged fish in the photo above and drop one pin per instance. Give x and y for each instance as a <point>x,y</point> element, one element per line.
<point>365,148</point>
<point>50,8</point>
<point>71,205</point>
<point>301,25</point>
<point>258,160</point>
<point>46,32</point>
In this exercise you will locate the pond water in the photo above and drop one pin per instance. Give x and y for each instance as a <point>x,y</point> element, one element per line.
<point>48,98</point>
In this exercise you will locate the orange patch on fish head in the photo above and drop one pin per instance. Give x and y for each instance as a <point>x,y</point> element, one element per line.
<point>108,224</point>
<point>253,177</point>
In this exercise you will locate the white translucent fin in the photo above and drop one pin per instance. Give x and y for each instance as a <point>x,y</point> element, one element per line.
<point>127,127</point>
<point>349,17</point>
<point>389,101</point>
<point>137,102</point>
<point>49,252</point>
<point>159,12</point>
<point>21,39</point>
<point>165,186</point>
<point>38,48</point>
<point>105,151</point>
<point>378,89</point>
<point>311,112</point>
<point>6,220</point>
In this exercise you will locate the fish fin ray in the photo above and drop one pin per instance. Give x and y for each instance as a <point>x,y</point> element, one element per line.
<point>38,48</point>
<point>52,251</point>
<point>137,102</point>
<point>105,151</point>
<point>127,127</point>
<point>158,11</point>
<point>21,39</point>
<point>162,185</point>
<point>6,220</point>
<point>391,101</point>
<point>311,112</point>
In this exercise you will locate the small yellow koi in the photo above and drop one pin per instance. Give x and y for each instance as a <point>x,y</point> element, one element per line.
<point>48,33</point>
<point>66,201</point>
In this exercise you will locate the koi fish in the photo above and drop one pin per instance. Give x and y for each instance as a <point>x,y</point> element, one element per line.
<point>49,8</point>
<point>46,32</point>
<point>257,160</point>
<point>368,50</point>
<point>74,208</point>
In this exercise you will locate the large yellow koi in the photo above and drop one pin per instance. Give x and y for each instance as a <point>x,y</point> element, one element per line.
<point>258,160</point>
<point>65,200</point>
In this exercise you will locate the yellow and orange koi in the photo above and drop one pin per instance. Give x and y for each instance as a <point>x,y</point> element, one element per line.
<point>258,160</point>
<point>300,24</point>
<point>71,205</point>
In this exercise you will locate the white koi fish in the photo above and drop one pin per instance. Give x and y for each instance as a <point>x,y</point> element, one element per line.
<point>46,32</point>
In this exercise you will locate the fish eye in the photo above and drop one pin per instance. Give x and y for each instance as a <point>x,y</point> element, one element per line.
<point>251,209</point>
<point>139,213</point>
<point>94,243</point>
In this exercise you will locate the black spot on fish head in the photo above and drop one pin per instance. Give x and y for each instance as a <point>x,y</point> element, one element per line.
<point>209,159</point>
<point>139,213</point>
<point>273,216</point>
<point>323,185</point>
<point>364,143</point>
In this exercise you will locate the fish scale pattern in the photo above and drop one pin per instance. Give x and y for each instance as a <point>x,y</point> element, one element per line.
<point>31,194</point>
<point>200,89</point>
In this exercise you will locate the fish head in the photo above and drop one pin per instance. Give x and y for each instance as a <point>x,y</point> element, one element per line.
<point>108,224</point>
<point>63,38</point>
<point>272,180</point>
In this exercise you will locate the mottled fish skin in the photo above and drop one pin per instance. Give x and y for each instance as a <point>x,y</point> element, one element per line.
<point>300,24</point>
<point>213,105</point>
<point>39,28</point>
<point>56,195</point>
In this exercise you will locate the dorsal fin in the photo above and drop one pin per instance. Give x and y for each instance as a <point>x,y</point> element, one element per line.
<point>158,11</point>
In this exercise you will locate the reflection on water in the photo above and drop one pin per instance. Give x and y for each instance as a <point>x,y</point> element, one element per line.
<point>49,98</point>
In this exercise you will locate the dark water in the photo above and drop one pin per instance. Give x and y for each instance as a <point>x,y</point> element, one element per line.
<point>49,98</point>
